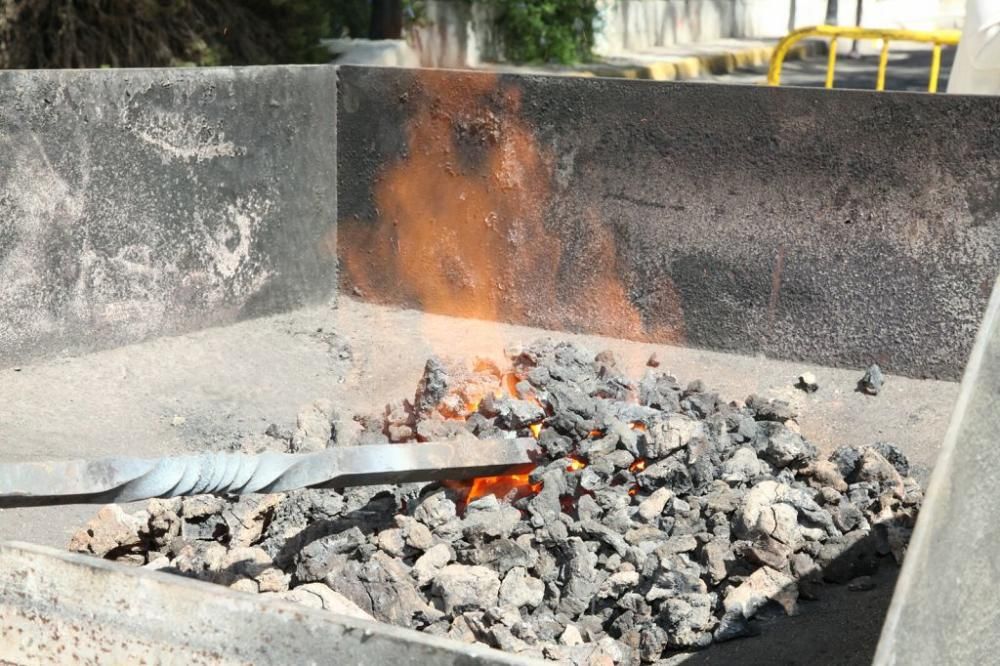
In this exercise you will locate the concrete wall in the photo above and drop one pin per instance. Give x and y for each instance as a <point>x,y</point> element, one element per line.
<point>460,34</point>
<point>136,203</point>
<point>837,227</point>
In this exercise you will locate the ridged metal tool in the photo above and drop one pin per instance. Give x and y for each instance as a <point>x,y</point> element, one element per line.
<point>120,479</point>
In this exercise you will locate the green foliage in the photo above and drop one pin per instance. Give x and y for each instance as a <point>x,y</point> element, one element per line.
<point>156,33</point>
<point>559,31</point>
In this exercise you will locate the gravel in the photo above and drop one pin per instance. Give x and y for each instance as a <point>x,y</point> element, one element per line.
<point>661,519</point>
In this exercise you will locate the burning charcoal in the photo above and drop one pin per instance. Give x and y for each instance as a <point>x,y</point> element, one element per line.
<point>871,382</point>
<point>429,430</point>
<point>733,626</point>
<point>763,585</point>
<point>618,583</point>
<point>246,517</point>
<point>502,555</point>
<point>391,541</point>
<point>781,447</point>
<point>718,557</point>
<point>660,391</point>
<point>517,414</point>
<point>778,411</point>
<point>689,620</point>
<point>896,457</point>
<point>433,385</point>
<point>765,551</point>
<point>651,507</point>
<point>846,458</point>
<point>111,533</point>
<point>670,472</point>
<point>431,562</point>
<point>663,437</point>
<point>164,524</point>
<point>314,427</point>
<point>847,516</point>
<point>414,533</point>
<point>317,559</point>
<point>435,510</point>
<point>520,589</point>
<point>845,558</point>
<point>487,517</point>
<point>873,468</point>
<point>554,444</point>
<point>318,595</point>
<point>571,636</point>
<point>721,498</point>
<point>825,474</point>
<point>466,587</point>
<point>581,578</point>
<point>387,586</point>
<point>743,467</point>
<point>700,404</point>
<point>807,382</point>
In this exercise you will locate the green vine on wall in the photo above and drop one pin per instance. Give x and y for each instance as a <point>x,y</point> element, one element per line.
<point>556,31</point>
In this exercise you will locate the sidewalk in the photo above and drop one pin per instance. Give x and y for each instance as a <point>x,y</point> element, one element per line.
<point>676,63</point>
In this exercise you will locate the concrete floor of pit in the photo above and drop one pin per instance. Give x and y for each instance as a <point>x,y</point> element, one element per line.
<point>209,389</point>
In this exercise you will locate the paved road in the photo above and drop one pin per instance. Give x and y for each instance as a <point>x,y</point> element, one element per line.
<point>909,69</point>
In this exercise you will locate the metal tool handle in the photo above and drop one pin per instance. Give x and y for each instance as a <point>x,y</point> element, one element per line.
<point>113,480</point>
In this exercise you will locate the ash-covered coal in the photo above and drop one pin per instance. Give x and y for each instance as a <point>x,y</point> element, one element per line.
<point>661,519</point>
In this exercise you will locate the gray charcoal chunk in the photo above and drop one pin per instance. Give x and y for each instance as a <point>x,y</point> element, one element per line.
<point>782,447</point>
<point>770,410</point>
<point>689,620</point>
<point>463,587</point>
<point>519,589</point>
<point>872,381</point>
<point>435,510</point>
<point>322,555</point>
<point>846,458</point>
<point>743,467</point>
<point>895,456</point>
<point>502,555</point>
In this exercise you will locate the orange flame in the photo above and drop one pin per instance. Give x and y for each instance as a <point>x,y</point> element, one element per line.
<point>510,487</point>
<point>460,223</point>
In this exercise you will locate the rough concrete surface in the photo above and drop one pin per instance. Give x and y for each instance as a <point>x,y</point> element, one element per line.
<point>838,227</point>
<point>945,609</point>
<point>59,607</point>
<point>136,203</point>
<point>212,389</point>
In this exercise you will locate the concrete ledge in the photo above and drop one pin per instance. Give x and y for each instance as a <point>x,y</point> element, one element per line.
<point>137,203</point>
<point>56,605</point>
<point>677,63</point>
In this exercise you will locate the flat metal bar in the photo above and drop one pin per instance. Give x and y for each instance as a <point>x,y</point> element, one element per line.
<point>110,480</point>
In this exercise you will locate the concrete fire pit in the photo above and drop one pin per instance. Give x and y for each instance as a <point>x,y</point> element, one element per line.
<point>708,226</point>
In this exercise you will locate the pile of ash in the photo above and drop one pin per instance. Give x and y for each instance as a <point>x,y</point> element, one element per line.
<point>662,518</point>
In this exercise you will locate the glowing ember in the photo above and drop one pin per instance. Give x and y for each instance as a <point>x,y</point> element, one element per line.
<point>575,464</point>
<point>638,425</point>
<point>536,429</point>
<point>637,466</point>
<point>596,433</point>
<point>511,487</point>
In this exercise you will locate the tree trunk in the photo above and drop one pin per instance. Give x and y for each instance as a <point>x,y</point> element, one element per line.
<point>387,19</point>
<point>831,12</point>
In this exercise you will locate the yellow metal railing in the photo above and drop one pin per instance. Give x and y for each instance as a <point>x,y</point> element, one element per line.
<point>938,38</point>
